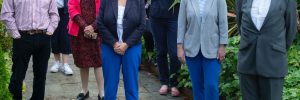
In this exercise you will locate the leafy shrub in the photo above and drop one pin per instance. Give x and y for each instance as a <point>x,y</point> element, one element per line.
<point>292,85</point>
<point>292,81</point>
<point>5,40</point>
<point>229,83</point>
<point>5,47</point>
<point>4,76</point>
<point>184,80</point>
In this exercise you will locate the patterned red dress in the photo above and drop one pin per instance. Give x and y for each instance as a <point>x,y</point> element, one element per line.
<point>86,52</point>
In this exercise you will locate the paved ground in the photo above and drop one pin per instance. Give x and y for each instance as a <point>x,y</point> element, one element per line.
<point>61,87</point>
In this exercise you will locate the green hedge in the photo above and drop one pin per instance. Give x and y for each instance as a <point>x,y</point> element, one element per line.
<point>5,62</point>
<point>4,76</point>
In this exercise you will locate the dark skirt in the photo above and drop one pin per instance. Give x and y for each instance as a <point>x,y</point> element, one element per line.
<point>86,52</point>
<point>60,42</point>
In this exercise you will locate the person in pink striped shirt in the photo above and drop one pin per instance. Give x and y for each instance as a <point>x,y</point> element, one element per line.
<point>31,24</point>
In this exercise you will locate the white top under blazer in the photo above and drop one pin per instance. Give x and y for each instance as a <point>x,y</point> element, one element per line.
<point>121,10</point>
<point>259,11</point>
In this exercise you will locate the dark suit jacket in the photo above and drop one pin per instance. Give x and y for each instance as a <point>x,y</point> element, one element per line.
<point>160,9</point>
<point>264,52</point>
<point>133,21</point>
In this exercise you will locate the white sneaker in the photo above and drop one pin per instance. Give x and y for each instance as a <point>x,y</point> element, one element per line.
<point>55,67</point>
<point>67,70</point>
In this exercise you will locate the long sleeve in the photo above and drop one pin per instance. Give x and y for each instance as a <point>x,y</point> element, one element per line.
<point>106,34</point>
<point>7,16</point>
<point>291,22</point>
<point>223,21</point>
<point>73,6</point>
<point>238,7</point>
<point>54,17</point>
<point>138,33</point>
<point>80,21</point>
<point>182,22</point>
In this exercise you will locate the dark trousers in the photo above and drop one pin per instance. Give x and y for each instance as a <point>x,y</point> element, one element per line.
<point>256,87</point>
<point>165,37</point>
<point>37,46</point>
<point>149,43</point>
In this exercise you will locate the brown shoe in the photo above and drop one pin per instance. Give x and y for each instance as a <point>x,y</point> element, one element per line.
<point>175,92</point>
<point>163,90</point>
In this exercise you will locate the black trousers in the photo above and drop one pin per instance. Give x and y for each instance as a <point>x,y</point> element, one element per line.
<point>37,46</point>
<point>148,37</point>
<point>254,87</point>
<point>165,38</point>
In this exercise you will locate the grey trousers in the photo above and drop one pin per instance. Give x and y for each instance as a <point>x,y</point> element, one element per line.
<point>254,87</point>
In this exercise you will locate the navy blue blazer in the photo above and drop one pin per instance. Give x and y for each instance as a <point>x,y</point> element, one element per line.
<point>133,21</point>
<point>66,7</point>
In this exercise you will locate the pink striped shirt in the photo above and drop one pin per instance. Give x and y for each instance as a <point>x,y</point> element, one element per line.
<point>29,15</point>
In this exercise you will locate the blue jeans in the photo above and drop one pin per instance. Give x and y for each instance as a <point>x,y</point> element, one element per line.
<point>111,63</point>
<point>204,74</point>
<point>165,37</point>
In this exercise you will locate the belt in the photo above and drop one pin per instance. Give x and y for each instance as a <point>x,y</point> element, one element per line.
<point>33,32</point>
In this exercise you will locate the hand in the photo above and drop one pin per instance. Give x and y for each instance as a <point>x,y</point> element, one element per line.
<point>180,53</point>
<point>94,35</point>
<point>122,48</point>
<point>89,29</point>
<point>116,47</point>
<point>88,35</point>
<point>49,33</point>
<point>221,53</point>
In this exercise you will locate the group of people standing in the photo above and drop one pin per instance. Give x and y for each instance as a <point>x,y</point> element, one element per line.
<point>106,35</point>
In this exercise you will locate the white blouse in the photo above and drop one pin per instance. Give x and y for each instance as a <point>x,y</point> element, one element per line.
<point>202,6</point>
<point>60,3</point>
<point>121,10</point>
<point>259,11</point>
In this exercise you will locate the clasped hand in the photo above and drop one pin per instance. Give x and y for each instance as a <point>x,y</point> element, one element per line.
<point>120,48</point>
<point>90,33</point>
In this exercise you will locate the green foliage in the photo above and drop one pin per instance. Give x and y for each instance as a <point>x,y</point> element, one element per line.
<point>229,83</point>
<point>5,46</point>
<point>4,76</point>
<point>292,81</point>
<point>5,40</point>
<point>292,85</point>
<point>184,80</point>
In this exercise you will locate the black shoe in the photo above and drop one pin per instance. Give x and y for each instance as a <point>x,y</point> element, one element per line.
<point>81,96</point>
<point>100,98</point>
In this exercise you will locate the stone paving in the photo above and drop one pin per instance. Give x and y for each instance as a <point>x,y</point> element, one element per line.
<point>61,87</point>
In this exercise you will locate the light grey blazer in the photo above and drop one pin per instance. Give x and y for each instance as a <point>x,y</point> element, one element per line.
<point>205,33</point>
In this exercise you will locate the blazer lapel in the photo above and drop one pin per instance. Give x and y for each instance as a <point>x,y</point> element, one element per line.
<point>272,6</point>
<point>195,7</point>
<point>249,8</point>
<point>127,7</point>
<point>115,7</point>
